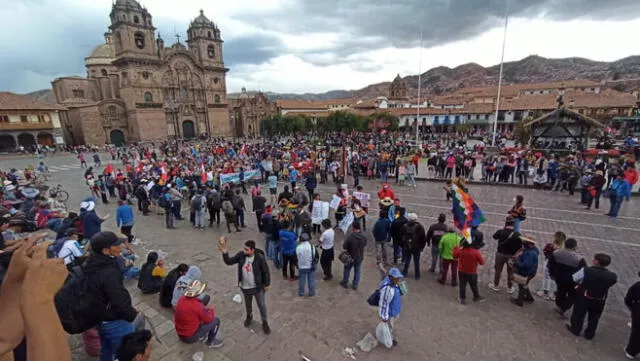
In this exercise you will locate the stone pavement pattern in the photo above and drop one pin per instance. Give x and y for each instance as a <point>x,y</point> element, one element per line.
<point>433,325</point>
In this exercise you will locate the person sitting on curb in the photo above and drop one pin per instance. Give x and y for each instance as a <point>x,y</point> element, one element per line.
<point>195,321</point>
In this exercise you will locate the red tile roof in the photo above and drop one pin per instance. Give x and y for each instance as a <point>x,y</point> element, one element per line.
<point>11,101</point>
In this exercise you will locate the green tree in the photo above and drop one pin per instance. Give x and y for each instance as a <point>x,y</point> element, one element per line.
<point>522,133</point>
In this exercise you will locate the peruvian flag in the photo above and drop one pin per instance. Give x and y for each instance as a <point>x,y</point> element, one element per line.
<point>109,169</point>
<point>243,151</point>
<point>204,173</point>
<point>164,176</point>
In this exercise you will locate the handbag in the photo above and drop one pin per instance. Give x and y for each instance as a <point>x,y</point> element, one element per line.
<point>345,258</point>
<point>374,298</point>
<point>520,279</point>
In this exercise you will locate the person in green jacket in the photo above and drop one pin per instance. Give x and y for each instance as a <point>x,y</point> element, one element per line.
<point>448,242</point>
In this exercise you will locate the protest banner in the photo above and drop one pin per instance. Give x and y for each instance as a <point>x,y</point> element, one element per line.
<point>235,177</point>
<point>335,202</point>
<point>363,198</point>
<point>345,223</point>
<point>319,212</point>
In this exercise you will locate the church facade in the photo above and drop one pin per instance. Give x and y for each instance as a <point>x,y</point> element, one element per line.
<point>137,89</point>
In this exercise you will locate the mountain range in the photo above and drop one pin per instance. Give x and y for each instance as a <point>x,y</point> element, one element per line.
<point>622,75</point>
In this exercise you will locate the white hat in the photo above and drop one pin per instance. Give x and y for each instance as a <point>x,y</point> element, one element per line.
<point>412,217</point>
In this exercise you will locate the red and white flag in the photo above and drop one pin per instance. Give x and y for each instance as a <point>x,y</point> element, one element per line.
<point>243,151</point>
<point>204,173</point>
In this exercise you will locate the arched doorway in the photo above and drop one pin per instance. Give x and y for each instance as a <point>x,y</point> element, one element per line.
<point>45,139</point>
<point>7,143</point>
<point>188,129</point>
<point>26,140</point>
<point>117,137</point>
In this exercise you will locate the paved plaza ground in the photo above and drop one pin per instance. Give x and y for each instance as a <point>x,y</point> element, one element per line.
<point>432,326</point>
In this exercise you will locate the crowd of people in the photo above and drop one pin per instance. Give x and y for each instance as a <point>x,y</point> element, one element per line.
<point>215,177</point>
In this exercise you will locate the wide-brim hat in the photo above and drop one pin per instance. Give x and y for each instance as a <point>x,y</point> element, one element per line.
<point>194,288</point>
<point>387,201</point>
<point>527,239</point>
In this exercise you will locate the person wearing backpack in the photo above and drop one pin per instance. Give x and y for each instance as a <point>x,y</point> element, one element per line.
<point>239,207</point>
<point>198,203</point>
<point>165,202</point>
<point>229,215</point>
<point>98,297</point>
<point>214,204</point>
<point>509,243</point>
<point>307,255</point>
<point>67,248</point>
<point>414,241</point>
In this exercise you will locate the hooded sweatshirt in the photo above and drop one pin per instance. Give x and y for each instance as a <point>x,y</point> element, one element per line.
<point>527,262</point>
<point>193,273</point>
<point>390,303</point>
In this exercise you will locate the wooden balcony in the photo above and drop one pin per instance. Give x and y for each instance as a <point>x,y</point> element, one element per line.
<point>26,126</point>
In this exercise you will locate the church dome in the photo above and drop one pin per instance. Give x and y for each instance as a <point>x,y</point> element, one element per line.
<point>102,54</point>
<point>202,21</point>
<point>130,3</point>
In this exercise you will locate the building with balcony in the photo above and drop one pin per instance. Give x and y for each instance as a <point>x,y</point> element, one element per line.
<point>27,123</point>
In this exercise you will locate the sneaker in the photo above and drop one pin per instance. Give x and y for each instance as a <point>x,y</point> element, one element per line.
<point>627,354</point>
<point>568,326</point>
<point>479,299</point>
<point>265,328</point>
<point>394,343</point>
<point>511,290</point>
<point>344,285</point>
<point>247,322</point>
<point>494,287</point>
<point>462,301</point>
<point>216,344</point>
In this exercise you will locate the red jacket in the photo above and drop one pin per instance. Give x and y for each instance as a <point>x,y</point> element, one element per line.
<point>190,314</point>
<point>383,193</point>
<point>468,259</point>
<point>631,176</point>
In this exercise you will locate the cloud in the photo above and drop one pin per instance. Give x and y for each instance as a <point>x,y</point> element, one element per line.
<point>373,24</point>
<point>252,49</point>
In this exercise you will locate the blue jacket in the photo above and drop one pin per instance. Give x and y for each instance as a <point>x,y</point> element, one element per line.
<point>91,222</point>
<point>621,187</point>
<point>527,262</point>
<point>390,300</point>
<point>293,175</point>
<point>381,230</point>
<point>124,216</point>
<point>288,242</point>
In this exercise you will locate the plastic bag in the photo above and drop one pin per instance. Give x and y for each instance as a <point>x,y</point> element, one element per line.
<point>383,334</point>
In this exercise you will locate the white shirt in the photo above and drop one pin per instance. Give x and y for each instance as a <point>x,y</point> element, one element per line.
<point>70,250</point>
<point>327,237</point>
<point>304,251</point>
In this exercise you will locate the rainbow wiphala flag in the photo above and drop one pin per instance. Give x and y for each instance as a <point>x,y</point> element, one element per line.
<point>466,213</point>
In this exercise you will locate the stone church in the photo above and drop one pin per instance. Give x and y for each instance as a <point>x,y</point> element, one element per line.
<point>137,89</point>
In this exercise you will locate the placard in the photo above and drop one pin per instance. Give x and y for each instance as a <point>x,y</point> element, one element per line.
<point>363,198</point>
<point>319,212</point>
<point>335,202</point>
<point>345,223</point>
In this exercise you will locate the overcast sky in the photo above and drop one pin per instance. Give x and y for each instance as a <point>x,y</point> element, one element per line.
<point>315,46</point>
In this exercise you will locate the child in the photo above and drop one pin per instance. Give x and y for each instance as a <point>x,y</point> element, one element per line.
<point>402,173</point>
<point>548,284</point>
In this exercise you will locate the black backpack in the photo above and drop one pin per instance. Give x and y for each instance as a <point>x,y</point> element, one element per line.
<point>77,304</point>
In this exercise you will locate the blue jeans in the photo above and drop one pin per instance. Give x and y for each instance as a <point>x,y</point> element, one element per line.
<point>435,259</point>
<point>356,274</point>
<point>307,275</point>
<point>111,334</point>
<point>131,272</point>
<point>517,225</point>
<point>616,204</point>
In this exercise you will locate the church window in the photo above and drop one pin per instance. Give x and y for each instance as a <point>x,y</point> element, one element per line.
<point>136,20</point>
<point>216,99</point>
<point>4,119</point>
<point>24,119</point>
<point>145,74</point>
<point>216,80</point>
<point>104,72</point>
<point>139,39</point>
<point>184,93</point>
<point>211,51</point>
<point>78,93</point>
<point>148,98</point>
<point>209,34</point>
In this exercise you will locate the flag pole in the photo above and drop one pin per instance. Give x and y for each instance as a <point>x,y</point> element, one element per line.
<point>504,42</point>
<point>419,84</point>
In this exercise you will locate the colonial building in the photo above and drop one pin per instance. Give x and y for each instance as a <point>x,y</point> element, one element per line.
<point>26,123</point>
<point>398,89</point>
<point>247,111</point>
<point>136,89</point>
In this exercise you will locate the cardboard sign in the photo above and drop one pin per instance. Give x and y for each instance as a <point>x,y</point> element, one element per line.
<point>363,198</point>
<point>319,212</point>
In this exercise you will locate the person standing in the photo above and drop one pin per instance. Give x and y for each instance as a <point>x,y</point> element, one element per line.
<point>518,213</point>
<point>526,267</point>
<point>468,258</point>
<point>381,236</point>
<point>306,254</point>
<point>618,192</point>
<point>448,243</point>
<point>199,203</point>
<point>272,182</point>
<point>354,245</point>
<point>214,204</point>
<point>509,243</point>
<point>632,301</point>
<point>411,174</point>
<point>259,207</point>
<point>326,243</point>
<point>253,278</point>
<point>592,292</point>
<point>397,234</point>
<point>125,220</point>
<point>288,240</point>
<point>434,234</point>
<point>597,183</point>
<point>549,286</point>
<point>390,304</point>
<point>240,208</point>
<point>563,264</point>
<point>414,241</point>
<point>310,182</point>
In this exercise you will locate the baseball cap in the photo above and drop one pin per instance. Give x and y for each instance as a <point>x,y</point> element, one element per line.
<point>395,273</point>
<point>104,240</point>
